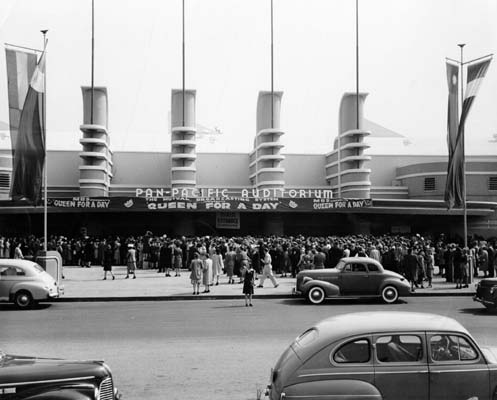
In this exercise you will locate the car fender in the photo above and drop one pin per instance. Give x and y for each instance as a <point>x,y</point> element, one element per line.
<point>402,286</point>
<point>329,288</point>
<point>36,290</point>
<point>349,388</point>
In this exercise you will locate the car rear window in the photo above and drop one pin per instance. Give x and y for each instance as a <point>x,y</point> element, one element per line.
<point>357,351</point>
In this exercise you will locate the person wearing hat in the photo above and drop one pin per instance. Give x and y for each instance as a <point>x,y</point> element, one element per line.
<point>131,261</point>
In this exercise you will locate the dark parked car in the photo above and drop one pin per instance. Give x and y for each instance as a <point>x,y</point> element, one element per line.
<point>385,355</point>
<point>352,277</point>
<point>32,378</point>
<point>486,293</point>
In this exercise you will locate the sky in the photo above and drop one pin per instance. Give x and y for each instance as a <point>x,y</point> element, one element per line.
<point>403,45</point>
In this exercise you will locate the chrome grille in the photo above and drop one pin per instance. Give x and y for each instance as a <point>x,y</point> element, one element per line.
<point>106,390</point>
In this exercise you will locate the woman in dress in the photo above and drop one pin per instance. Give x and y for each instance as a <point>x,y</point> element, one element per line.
<point>107,261</point>
<point>217,265</point>
<point>177,257</point>
<point>248,285</point>
<point>207,272</point>
<point>196,266</point>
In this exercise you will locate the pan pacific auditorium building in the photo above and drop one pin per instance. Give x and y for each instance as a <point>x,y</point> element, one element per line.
<point>345,190</point>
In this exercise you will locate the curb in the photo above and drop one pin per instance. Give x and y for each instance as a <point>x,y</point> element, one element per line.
<point>225,297</point>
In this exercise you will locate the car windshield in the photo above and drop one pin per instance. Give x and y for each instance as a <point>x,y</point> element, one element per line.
<point>341,265</point>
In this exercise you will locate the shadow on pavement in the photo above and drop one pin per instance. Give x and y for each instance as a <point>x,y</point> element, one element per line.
<point>338,301</point>
<point>12,307</point>
<point>481,311</point>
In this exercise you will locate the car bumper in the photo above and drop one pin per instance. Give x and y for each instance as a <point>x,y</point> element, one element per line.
<point>296,292</point>
<point>484,302</point>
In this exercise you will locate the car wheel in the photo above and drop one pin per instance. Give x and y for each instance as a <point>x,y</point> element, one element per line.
<point>389,294</point>
<point>23,299</point>
<point>316,295</point>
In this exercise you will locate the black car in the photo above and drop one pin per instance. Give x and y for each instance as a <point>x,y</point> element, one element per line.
<point>486,293</point>
<point>352,277</point>
<point>31,378</point>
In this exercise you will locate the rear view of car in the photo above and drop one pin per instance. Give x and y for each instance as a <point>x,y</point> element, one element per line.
<point>25,283</point>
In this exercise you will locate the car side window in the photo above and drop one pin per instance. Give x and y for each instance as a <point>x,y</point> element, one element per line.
<point>357,351</point>
<point>373,268</point>
<point>20,272</point>
<point>8,271</point>
<point>451,348</point>
<point>355,268</point>
<point>399,348</point>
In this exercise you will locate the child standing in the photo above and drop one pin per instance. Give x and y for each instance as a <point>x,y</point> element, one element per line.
<point>248,285</point>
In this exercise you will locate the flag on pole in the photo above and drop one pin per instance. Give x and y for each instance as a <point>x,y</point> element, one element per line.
<point>454,191</point>
<point>476,73</point>
<point>29,158</point>
<point>453,188</point>
<point>20,68</point>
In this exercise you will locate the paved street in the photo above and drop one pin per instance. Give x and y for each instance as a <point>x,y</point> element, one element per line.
<point>185,349</point>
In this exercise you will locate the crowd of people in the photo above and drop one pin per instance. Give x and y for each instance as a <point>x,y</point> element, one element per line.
<point>208,258</point>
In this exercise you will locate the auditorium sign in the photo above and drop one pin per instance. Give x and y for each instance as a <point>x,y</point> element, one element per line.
<point>227,194</point>
<point>189,204</point>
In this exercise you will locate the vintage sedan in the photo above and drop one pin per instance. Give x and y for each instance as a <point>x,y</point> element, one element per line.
<point>24,283</point>
<point>32,378</point>
<point>385,355</point>
<point>352,277</point>
<point>486,293</point>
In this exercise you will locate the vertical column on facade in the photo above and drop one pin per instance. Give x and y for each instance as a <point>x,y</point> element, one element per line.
<point>265,161</point>
<point>346,169</point>
<point>183,139</point>
<point>95,171</point>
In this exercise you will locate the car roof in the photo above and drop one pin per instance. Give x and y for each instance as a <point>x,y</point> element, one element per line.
<point>352,324</point>
<point>15,262</point>
<point>360,259</point>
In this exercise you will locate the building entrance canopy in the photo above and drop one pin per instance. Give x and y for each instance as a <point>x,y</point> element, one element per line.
<point>215,205</point>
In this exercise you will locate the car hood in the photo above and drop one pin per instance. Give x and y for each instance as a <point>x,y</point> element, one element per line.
<point>18,369</point>
<point>317,272</point>
<point>488,282</point>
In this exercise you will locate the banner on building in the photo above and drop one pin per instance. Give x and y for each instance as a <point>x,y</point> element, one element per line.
<point>21,65</point>
<point>228,220</point>
<point>29,156</point>
<point>454,192</point>
<point>219,206</point>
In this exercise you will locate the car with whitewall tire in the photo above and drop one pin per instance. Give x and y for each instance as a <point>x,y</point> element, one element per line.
<point>25,283</point>
<point>352,277</point>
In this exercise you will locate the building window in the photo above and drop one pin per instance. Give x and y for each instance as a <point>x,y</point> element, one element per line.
<point>492,183</point>
<point>429,184</point>
<point>4,181</point>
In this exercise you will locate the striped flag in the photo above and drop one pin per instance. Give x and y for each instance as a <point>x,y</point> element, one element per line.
<point>454,191</point>
<point>27,175</point>
<point>20,68</point>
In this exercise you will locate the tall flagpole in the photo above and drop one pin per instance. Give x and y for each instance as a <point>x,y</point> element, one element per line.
<point>461,46</point>
<point>45,175</point>
<point>92,59</point>
<point>357,61</point>
<point>272,69</point>
<point>183,64</point>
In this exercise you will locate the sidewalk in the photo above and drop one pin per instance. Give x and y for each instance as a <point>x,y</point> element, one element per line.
<point>86,284</point>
